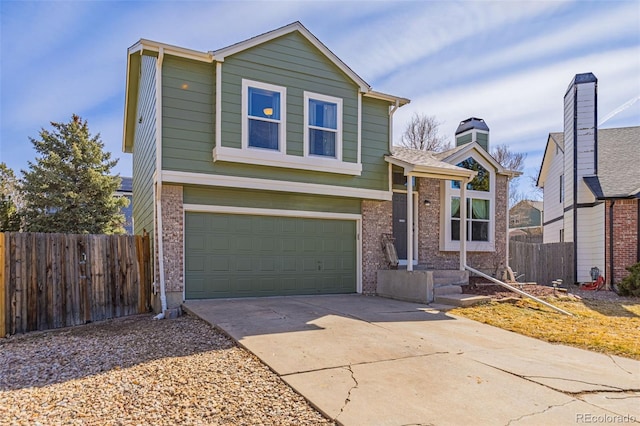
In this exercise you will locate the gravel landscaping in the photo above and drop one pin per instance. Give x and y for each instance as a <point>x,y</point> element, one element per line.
<point>134,370</point>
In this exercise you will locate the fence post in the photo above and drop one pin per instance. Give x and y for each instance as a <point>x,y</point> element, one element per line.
<point>3,300</point>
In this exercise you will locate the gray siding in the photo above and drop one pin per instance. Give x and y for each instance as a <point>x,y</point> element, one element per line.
<point>289,61</point>
<point>144,148</point>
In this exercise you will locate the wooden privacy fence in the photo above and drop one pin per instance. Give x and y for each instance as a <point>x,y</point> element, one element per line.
<point>542,263</point>
<point>60,280</point>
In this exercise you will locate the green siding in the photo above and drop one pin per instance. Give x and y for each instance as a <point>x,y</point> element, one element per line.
<point>240,256</point>
<point>289,61</point>
<point>144,148</point>
<point>461,140</point>
<point>188,116</point>
<point>269,200</point>
<point>483,140</point>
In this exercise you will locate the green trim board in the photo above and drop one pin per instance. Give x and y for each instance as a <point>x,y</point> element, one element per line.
<point>228,255</point>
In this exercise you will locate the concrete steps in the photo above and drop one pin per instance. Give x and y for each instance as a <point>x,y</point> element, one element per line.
<point>461,300</point>
<point>447,289</point>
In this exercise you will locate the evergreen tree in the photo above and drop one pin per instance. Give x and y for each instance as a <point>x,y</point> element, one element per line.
<point>69,188</point>
<point>9,197</point>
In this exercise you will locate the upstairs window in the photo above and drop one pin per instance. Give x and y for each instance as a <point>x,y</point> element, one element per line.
<point>323,125</point>
<point>264,112</point>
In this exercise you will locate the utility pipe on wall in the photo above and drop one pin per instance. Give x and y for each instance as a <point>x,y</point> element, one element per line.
<point>158,175</point>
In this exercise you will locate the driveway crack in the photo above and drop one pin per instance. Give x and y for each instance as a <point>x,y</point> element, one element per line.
<point>348,398</point>
<point>538,412</point>
<point>619,366</point>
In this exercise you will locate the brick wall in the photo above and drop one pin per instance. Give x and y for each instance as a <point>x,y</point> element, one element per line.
<point>376,220</point>
<point>625,238</point>
<point>429,230</point>
<point>172,225</point>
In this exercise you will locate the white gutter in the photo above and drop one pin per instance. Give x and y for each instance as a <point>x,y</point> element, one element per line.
<point>392,110</point>
<point>158,183</point>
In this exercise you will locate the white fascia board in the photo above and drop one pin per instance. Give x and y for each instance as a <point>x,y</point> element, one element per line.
<point>221,54</point>
<point>432,172</point>
<point>547,159</point>
<point>169,49</point>
<point>265,157</point>
<point>474,146</point>
<point>386,97</point>
<point>126,107</point>
<point>189,178</point>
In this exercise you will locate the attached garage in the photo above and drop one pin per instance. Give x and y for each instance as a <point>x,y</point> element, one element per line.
<point>246,255</point>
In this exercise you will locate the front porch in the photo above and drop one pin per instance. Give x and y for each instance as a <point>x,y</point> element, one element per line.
<point>423,285</point>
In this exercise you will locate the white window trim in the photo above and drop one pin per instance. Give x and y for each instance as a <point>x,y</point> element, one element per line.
<point>273,158</point>
<point>446,243</point>
<point>324,98</point>
<point>282,131</point>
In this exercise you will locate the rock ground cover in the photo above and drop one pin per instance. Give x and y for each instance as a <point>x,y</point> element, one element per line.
<point>134,370</point>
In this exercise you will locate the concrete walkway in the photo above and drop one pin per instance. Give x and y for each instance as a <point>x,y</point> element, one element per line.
<point>374,361</point>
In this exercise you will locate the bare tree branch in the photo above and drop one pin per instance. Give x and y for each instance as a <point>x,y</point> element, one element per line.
<point>422,133</point>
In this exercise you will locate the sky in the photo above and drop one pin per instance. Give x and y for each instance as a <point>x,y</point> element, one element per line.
<point>507,62</point>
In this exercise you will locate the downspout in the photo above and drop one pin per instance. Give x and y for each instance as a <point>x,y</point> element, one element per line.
<point>463,222</point>
<point>392,110</point>
<point>506,246</point>
<point>613,202</point>
<point>409,222</point>
<point>163,293</point>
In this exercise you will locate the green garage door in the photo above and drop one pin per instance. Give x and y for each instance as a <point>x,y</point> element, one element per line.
<point>230,255</point>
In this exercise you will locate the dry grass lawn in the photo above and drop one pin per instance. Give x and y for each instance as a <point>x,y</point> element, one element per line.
<point>610,327</point>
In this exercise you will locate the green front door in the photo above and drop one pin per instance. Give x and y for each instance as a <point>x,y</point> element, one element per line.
<point>230,255</point>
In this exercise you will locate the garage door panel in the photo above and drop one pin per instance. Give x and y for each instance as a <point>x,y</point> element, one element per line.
<point>241,255</point>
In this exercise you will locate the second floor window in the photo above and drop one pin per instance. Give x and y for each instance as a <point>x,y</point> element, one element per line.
<point>323,125</point>
<point>264,115</point>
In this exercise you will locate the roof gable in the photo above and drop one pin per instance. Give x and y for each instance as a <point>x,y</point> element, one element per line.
<point>462,152</point>
<point>221,54</point>
<point>553,140</point>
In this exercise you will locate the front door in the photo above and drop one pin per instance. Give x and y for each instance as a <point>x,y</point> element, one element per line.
<point>400,224</point>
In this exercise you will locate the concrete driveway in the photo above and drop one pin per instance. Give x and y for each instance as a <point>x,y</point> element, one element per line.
<point>365,360</point>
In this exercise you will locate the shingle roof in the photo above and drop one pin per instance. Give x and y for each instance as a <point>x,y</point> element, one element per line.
<point>619,161</point>
<point>126,185</point>
<point>421,158</point>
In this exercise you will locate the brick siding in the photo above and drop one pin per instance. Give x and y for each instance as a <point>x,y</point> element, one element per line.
<point>172,224</point>
<point>625,238</point>
<point>429,230</point>
<point>376,220</point>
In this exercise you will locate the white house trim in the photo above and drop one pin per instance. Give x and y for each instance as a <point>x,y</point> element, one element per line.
<point>218,105</point>
<point>307,96</point>
<point>189,178</point>
<point>201,208</point>
<point>265,157</point>
<point>282,121</point>
<point>359,154</point>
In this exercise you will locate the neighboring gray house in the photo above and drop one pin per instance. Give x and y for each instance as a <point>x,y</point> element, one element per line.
<point>591,187</point>
<point>267,168</point>
<point>126,190</point>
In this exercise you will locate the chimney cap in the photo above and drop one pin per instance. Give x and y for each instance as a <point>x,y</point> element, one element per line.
<point>472,123</point>
<point>587,77</point>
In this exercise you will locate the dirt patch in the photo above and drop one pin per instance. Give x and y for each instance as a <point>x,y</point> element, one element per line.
<point>483,287</point>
